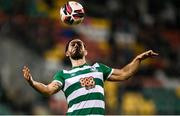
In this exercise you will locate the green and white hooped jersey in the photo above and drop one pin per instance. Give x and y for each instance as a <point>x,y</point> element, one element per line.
<point>83,87</point>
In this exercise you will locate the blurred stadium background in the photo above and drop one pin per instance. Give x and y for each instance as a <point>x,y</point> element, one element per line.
<point>115,31</point>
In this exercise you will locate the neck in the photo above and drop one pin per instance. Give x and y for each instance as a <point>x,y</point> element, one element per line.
<point>78,62</point>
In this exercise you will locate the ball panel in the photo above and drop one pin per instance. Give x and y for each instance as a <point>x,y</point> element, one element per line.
<point>75,5</point>
<point>72,13</point>
<point>68,8</point>
<point>68,20</point>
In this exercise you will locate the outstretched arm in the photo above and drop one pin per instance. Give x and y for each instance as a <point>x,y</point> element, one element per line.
<point>49,89</point>
<point>126,72</point>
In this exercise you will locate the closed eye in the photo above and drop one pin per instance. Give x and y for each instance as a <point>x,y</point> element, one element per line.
<point>73,44</point>
<point>78,42</point>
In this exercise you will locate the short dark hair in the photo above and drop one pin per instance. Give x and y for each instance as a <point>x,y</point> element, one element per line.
<point>67,45</point>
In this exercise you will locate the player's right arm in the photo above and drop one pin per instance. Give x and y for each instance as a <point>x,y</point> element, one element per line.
<point>48,90</point>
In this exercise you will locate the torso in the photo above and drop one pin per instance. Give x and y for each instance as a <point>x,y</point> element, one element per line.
<point>83,88</point>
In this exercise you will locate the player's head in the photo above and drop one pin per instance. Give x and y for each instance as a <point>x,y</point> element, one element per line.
<point>75,49</point>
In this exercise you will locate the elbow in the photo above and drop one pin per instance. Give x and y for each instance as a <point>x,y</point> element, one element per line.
<point>119,78</point>
<point>47,93</point>
<point>125,77</point>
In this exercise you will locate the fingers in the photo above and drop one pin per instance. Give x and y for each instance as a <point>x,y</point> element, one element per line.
<point>152,53</point>
<point>26,69</point>
<point>26,73</point>
<point>147,54</point>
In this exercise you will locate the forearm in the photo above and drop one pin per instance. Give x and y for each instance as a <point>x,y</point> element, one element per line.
<point>131,68</point>
<point>49,89</point>
<point>126,72</point>
<point>40,87</point>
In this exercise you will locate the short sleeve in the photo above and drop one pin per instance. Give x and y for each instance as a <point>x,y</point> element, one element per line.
<point>107,71</point>
<point>58,77</point>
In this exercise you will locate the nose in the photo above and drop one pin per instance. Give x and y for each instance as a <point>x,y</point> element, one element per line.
<point>75,45</point>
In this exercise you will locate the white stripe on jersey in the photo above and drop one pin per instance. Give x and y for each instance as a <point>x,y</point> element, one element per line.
<point>87,104</point>
<point>76,69</point>
<point>110,73</point>
<point>70,81</point>
<point>82,68</point>
<point>83,91</point>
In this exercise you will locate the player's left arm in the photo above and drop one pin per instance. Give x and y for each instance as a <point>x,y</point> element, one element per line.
<point>127,71</point>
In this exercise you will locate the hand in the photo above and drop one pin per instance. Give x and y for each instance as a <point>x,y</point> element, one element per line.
<point>147,54</point>
<point>27,75</point>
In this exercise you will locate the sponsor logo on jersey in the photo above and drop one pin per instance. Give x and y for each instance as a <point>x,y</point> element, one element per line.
<point>87,82</point>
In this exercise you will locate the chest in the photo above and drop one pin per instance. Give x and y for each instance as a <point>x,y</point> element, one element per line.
<point>88,80</point>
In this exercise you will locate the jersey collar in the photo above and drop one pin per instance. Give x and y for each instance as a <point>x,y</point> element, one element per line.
<point>85,64</point>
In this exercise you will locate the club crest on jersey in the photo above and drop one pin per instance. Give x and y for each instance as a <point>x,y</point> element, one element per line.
<point>93,69</point>
<point>87,82</point>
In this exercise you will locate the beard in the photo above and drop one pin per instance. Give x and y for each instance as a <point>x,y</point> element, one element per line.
<point>77,54</point>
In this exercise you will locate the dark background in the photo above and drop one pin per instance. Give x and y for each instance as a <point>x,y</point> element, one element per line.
<point>115,31</point>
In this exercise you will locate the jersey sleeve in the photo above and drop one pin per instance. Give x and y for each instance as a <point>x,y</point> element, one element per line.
<point>107,71</point>
<point>58,77</point>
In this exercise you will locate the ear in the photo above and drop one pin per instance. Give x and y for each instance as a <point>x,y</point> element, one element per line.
<point>85,53</point>
<point>67,54</point>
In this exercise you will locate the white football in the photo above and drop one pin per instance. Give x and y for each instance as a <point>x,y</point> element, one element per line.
<point>72,13</point>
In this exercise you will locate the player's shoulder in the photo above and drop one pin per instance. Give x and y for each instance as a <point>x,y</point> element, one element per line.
<point>59,72</point>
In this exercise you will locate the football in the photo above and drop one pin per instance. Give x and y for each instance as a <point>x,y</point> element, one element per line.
<point>72,13</point>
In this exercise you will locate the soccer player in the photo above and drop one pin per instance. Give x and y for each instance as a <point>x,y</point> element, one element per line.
<point>83,84</point>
